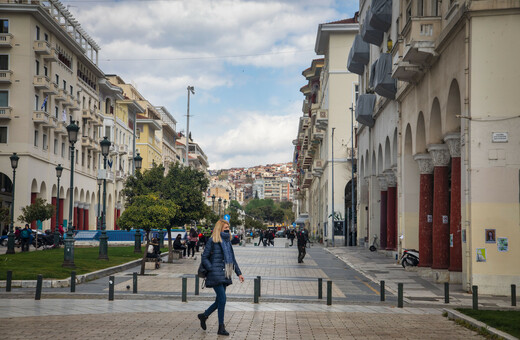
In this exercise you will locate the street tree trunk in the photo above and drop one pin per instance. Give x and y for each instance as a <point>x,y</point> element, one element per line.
<point>170,245</point>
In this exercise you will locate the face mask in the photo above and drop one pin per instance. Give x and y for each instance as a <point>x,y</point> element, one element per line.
<point>226,231</point>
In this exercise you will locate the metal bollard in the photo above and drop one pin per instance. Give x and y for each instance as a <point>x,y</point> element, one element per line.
<point>39,287</point>
<point>513,295</point>
<point>320,288</point>
<point>111,281</point>
<point>184,289</point>
<point>259,285</point>
<point>72,281</point>
<point>382,290</point>
<point>446,292</point>
<point>196,285</point>
<point>474,290</point>
<point>256,291</point>
<point>134,290</point>
<point>400,295</point>
<point>8,281</point>
<point>329,293</point>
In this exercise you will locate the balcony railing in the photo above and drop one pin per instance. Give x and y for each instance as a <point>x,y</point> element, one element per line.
<point>42,47</point>
<point>41,82</point>
<point>322,118</point>
<point>6,40</point>
<point>419,35</point>
<point>5,77</point>
<point>41,117</point>
<point>5,113</point>
<point>123,149</point>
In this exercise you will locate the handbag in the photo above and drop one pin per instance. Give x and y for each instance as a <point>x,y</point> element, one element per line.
<point>202,272</point>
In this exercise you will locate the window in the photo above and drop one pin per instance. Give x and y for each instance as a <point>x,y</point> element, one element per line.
<point>56,112</point>
<point>45,71</point>
<point>55,146</point>
<point>4,26</point>
<point>62,149</point>
<point>4,62</point>
<point>77,153</point>
<point>57,80</point>
<point>3,134</point>
<point>45,141</point>
<point>36,135</point>
<point>420,8</point>
<point>36,102</point>
<point>45,36</point>
<point>435,8</point>
<point>71,90</point>
<point>37,66</point>
<point>4,98</point>
<point>64,85</point>
<point>107,132</point>
<point>37,33</point>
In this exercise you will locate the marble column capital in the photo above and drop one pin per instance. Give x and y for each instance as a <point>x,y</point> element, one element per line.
<point>382,182</point>
<point>391,179</point>
<point>86,206</point>
<point>440,154</point>
<point>453,142</point>
<point>424,160</point>
<point>76,204</point>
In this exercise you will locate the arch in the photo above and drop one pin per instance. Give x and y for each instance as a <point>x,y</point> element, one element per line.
<point>362,167</point>
<point>410,187</point>
<point>76,194</point>
<point>367,161</point>
<point>107,105</point>
<point>374,164</point>
<point>435,126</point>
<point>380,160</point>
<point>394,148</point>
<point>420,135</point>
<point>43,191</point>
<point>453,108</point>
<point>34,186</point>
<point>81,197</point>
<point>388,156</point>
<point>54,190</point>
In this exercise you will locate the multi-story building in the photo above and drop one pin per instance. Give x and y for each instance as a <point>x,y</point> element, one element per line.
<point>168,137</point>
<point>323,147</point>
<point>438,152</point>
<point>55,82</point>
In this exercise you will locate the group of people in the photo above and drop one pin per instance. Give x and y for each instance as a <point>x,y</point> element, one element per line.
<point>266,238</point>
<point>192,241</point>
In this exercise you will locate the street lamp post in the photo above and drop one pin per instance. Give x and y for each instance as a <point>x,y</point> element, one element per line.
<point>103,239</point>
<point>138,161</point>
<point>213,203</point>
<point>225,204</point>
<point>59,170</point>
<point>98,224</point>
<point>10,238</point>
<point>68,257</point>
<point>219,205</point>
<point>192,90</point>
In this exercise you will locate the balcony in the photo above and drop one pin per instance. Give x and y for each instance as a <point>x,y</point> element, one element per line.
<point>42,47</point>
<point>6,40</point>
<point>61,129</point>
<point>120,175</point>
<point>60,96</point>
<point>86,113</point>
<point>6,113</point>
<point>307,180</point>
<point>123,149</point>
<point>41,82</point>
<point>322,119</point>
<point>5,77</point>
<point>305,122</point>
<point>317,136</point>
<point>419,35</point>
<point>41,118</point>
<point>52,90</point>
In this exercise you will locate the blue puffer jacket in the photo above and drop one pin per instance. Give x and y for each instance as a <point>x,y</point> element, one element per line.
<point>213,261</point>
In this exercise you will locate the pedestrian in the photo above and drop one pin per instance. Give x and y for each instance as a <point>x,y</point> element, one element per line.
<point>219,260</point>
<point>292,235</point>
<point>60,230</point>
<point>25,235</point>
<point>301,243</point>
<point>271,237</point>
<point>177,245</point>
<point>193,238</point>
<point>260,237</point>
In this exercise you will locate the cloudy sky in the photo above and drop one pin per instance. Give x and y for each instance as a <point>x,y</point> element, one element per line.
<point>244,58</point>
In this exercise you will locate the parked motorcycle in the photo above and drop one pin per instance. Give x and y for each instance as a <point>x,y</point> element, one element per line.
<point>45,240</point>
<point>410,258</point>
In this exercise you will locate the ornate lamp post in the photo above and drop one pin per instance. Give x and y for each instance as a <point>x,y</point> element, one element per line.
<point>213,202</point>
<point>59,170</point>
<point>219,205</point>
<point>103,244</point>
<point>225,203</point>
<point>98,224</point>
<point>10,238</point>
<point>138,162</point>
<point>68,257</point>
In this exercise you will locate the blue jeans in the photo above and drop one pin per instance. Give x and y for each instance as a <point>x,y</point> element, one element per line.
<point>220,303</point>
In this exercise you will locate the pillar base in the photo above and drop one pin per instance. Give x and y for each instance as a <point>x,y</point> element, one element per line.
<point>456,277</point>
<point>425,273</point>
<point>441,275</point>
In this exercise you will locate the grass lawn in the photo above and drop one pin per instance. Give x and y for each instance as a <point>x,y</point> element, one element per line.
<point>27,266</point>
<point>506,321</point>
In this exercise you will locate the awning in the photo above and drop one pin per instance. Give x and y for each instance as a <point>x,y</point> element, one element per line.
<point>364,108</point>
<point>360,50</point>
<point>372,74</point>
<point>352,66</point>
<point>302,219</point>
<point>384,84</point>
<point>370,34</point>
<point>381,18</point>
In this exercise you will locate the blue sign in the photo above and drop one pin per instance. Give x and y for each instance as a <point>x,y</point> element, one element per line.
<point>39,225</point>
<point>227,217</point>
<point>294,224</point>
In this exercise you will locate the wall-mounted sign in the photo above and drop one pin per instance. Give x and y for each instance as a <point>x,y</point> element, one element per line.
<point>481,254</point>
<point>429,218</point>
<point>503,244</point>
<point>451,240</point>
<point>499,137</point>
<point>444,219</point>
<point>490,235</point>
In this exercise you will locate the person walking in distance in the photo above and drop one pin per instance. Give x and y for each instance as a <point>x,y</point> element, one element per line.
<point>193,238</point>
<point>219,260</point>
<point>301,242</point>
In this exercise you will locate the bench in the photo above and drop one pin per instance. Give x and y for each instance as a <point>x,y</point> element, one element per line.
<point>156,260</point>
<point>177,254</point>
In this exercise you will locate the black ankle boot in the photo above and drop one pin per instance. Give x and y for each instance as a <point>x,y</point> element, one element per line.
<point>202,319</point>
<point>222,330</point>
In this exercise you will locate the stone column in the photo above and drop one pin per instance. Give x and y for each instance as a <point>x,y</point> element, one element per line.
<point>391,228</point>
<point>79,223</point>
<point>75,213</point>
<point>62,205</point>
<point>33,200</point>
<point>441,232</point>
<point>424,160</point>
<point>382,224</point>
<point>453,141</point>
<point>53,218</point>
<point>86,208</point>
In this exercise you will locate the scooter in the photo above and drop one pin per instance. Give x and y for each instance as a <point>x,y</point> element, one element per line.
<point>410,258</point>
<point>375,244</point>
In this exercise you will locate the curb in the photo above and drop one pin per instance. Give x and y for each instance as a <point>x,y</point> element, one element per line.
<point>454,315</point>
<point>79,278</point>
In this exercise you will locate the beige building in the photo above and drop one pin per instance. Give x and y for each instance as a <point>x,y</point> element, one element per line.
<point>438,160</point>
<point>168,137</point>
<point>322,148</point>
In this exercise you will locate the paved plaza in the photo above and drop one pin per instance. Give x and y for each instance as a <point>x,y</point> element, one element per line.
<point>289,307</point>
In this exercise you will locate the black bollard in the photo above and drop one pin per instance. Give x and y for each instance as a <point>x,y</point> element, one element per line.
<point>184,289</point>
<point>134,291</point>
<point>111,281</point>
<point>446,292</point>
<point>72,281</point>
<point>329,293</point>
<point>320,288</point>
<point>196,285</point>
<point>8,281</point>
<point>259,285</point>
<point>382,290</point>
<point>513,295</point>
<point>39,287</point>
<point>400,295</point>
<point>256,290</point>
<point>474,290</point>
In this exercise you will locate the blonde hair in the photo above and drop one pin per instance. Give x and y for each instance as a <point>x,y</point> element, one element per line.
<point>218,229</point>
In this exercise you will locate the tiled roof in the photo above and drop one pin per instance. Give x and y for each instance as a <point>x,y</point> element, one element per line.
<point>353,20</point>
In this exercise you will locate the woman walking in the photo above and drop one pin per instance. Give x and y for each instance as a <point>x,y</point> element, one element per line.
<point>193,238</point>
<point>219,260</point>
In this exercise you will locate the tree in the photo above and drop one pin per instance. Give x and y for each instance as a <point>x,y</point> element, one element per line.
<point>234,205</point>
<point>39,210</point>
<point>278,215</point>
<point>234,220</point>
<point>150,181</point>
<point>148,212</point>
